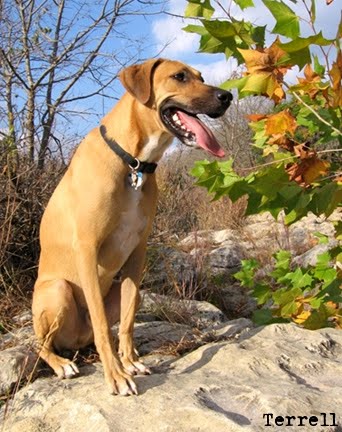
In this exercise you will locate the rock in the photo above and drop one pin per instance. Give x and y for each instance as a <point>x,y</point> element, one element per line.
<point>16,364</point>
<point>20,336</point>
<point>166,264</point>
<point>227,258</point>
<point>310,257</point>
<point>231,329</point>
<point>196,313</point>
<point>224,386</point>
<point>160,336</point>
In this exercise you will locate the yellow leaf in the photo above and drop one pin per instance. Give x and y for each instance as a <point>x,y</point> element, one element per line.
<point>336,77</point>
<point>281,123</point>
<point>315,169</point>
<point>302,317</point>
<point>266,69</point>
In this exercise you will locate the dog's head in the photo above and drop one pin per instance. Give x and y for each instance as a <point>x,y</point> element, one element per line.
<point>178,94</point>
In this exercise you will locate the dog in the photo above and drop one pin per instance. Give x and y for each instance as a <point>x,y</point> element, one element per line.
<point>98,219</point>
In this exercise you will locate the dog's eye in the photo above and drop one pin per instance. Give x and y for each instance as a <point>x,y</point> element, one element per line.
<point>180,76</point>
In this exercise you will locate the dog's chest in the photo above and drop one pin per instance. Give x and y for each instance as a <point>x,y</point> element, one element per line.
<point>132,223</point>
<point>126,236</point>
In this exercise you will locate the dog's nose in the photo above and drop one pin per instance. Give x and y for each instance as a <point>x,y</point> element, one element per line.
<point>225,97</point>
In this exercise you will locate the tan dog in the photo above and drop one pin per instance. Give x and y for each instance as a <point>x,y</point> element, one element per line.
<point>100,215</point>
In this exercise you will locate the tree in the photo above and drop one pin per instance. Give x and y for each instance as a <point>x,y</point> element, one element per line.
<point>295,177</point>
<point>49,47</point>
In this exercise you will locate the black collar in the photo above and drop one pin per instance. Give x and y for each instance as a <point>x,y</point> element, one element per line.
<point>134,163</point>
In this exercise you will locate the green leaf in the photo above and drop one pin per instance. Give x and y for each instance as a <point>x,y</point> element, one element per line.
<point>199,8</point>
<point>318,68</point>
<point>265,317</point>
<point>325,199</point>
<point>317,319</point>
<point>258,35</point>
<point>243,4</point>
<point>262,293</point>
<point>220,29</point>
<point>287,22</point>
<point>300,279</point>
<point>323,269</point>
<point>246,274</point>
<point>323,239</point>
<point>289,309</point>
<point>285,295</point>
<point>282,265</point>
<point>235,83</point>
<point>298,49</point>
<point>300,43</point>
<point>191,28</point>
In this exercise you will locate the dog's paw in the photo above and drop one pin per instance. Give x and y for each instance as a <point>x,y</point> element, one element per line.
<point>67,370</point>
<point>135,367</point>
<point>121,384</point>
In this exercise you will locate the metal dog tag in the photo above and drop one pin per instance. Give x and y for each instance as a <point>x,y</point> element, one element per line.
<point>136,179</point>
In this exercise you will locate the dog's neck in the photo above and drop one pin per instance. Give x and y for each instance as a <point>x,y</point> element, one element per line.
<point>146,141</point>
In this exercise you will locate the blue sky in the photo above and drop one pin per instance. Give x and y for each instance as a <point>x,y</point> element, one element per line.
<point>164,33</point>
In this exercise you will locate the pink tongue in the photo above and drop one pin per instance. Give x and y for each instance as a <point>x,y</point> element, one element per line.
<point>205,138</point>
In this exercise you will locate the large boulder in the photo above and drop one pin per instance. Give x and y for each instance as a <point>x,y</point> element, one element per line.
<point>280,370</point>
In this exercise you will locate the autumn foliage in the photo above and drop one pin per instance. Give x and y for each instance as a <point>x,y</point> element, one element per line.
<point>300,142</point>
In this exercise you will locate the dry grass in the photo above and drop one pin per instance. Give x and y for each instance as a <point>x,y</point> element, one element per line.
<point>23,197</point>
<point>184,207</point>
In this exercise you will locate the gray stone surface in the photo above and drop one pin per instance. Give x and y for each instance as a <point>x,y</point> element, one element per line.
<point>225,386</point>
<point>16,364</point>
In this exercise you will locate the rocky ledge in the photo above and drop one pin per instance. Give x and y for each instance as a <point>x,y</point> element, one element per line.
<point>248,377</point>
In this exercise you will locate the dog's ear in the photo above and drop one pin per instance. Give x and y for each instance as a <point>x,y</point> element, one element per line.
<point>137,79</point>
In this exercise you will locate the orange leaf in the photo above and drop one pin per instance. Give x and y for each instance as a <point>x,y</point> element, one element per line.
<point>281,123</point>
<point>307,170</point>
<point>283,141</point>
<point>303,151</point>
<point>336,77</point>
<point>302,317</point>
<point>256,117</point>
<point>315,169</point>
<point>266,68</point>
<point>310,74</point>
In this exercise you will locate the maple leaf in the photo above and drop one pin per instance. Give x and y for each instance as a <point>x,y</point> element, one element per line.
<point>256,117</point>
<point>303,151</point>
<point>336,77</point>
<point>265,70</point>
<point>282,141</point>
<point>281,123</point>
<point>309,84</point>
<point>302,316</point>
<point>308,169</point>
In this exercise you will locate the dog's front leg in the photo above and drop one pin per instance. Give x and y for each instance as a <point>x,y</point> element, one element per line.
<point>118,380</point>
<point>130,299</point>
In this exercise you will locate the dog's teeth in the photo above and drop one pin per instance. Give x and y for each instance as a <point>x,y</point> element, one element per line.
<point>183,127</point>
<point>175,117</point>
<point>178,122</point>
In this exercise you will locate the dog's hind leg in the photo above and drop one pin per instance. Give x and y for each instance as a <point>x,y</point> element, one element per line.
<point>57,324</point>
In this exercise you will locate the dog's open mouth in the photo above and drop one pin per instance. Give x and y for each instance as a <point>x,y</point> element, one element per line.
<point>190,130</point>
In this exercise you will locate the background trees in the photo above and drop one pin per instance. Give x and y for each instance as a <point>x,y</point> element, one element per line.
<point>47,49</point>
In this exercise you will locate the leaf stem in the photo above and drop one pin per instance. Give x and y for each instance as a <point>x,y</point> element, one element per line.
<point>287,158</point>
<point>315,113</point>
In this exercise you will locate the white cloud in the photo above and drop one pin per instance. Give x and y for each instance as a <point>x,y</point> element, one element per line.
<point>180,45</point>
<point>171,39</point>
<point>216,72</point>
